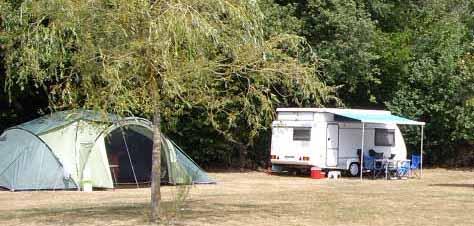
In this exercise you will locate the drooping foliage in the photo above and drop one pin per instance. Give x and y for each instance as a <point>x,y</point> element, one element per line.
<point>342,35</point>
<point>225,68</point>
<point>206,61</point>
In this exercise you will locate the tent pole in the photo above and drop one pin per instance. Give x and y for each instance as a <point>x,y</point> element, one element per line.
<point>362,152</point>
<point>129,157</point>
<point>39,172</point>
<point>421,152</point>
<point>76,158</point>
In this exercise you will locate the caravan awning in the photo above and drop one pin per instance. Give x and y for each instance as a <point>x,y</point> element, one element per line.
<point>376,117</point>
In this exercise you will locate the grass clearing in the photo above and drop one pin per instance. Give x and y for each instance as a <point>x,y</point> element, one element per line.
<point>442,197</point>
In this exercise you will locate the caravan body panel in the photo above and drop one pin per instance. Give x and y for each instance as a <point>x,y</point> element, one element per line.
<point>316,138</point>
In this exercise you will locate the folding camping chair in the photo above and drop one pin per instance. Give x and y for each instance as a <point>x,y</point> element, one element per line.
<point>368,163</point>
<point>404,170</point>
<point>391,168</point>
<point>378,166</point>
<point>415,164</point>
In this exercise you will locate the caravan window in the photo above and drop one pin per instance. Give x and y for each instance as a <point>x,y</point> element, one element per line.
<point>384,137</point>
<point>303,134</point>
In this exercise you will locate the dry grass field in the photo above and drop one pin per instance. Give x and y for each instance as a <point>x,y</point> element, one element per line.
<point>442,197</point>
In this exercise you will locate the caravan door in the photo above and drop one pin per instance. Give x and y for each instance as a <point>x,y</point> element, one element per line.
<point>332,145</point>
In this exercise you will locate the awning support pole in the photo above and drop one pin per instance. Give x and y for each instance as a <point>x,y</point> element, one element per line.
<point>362,152</point>
<point>421,152</point>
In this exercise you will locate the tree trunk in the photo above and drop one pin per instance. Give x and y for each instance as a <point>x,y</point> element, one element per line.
<point>156,167</point>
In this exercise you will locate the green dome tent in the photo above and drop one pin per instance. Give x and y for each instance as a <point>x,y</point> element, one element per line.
<point>65,149</point>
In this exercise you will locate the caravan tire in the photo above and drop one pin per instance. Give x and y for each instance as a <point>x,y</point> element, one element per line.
<point>354,169</point>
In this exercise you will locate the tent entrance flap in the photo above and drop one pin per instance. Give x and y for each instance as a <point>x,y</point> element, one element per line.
<point>129,152</point>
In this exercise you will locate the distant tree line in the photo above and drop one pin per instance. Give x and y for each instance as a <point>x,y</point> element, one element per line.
<point>414,58</point>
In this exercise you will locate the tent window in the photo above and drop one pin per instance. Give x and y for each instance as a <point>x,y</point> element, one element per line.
<point>384,137</point>
<point>302,134</point>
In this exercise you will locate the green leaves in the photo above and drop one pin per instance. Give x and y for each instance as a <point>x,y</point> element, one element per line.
<point>224,66</point>
<point>212,57</point>
<point>342,36</point>
<point>410,57</point>
<point>438,84</point>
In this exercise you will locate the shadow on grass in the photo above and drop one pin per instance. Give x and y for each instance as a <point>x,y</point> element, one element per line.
<point>287,174</point>
<point>202,209</point>
<point>463,169</point>
<point>126,214</point>
<point>80,214</point>
<point>454,185</point>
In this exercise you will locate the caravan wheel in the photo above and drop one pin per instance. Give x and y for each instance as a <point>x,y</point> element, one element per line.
<point>354,169</point>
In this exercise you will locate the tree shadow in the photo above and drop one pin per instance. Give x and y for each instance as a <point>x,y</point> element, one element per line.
<point>451,168</point>
<point>454,185</point>
<point>129,214</point>
<point>82,214</point>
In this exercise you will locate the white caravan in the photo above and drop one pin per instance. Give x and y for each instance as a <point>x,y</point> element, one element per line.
<point>330,138</point>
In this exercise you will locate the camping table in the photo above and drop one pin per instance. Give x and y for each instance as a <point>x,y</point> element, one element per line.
<point>392,165</point>
<point>388,164</point>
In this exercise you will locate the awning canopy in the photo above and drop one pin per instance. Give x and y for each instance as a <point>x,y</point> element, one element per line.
<point>376,117</point>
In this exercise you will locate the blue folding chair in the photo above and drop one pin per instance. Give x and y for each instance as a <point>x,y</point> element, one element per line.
<point>415,164</point>
<point>368,163</point>
<point>404,169</point>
